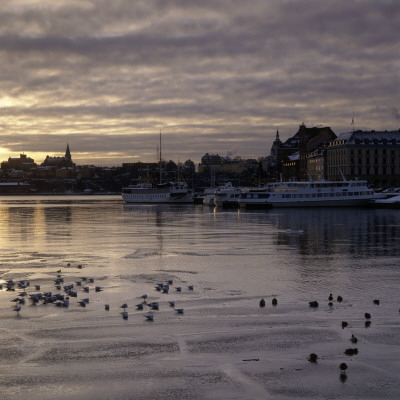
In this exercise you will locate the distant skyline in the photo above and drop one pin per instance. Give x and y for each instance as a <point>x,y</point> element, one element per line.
<point>213,76</point>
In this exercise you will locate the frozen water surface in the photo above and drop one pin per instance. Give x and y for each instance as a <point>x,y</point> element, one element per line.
<point>223,345</point>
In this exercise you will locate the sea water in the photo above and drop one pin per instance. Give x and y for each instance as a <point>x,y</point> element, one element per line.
<point>223,345</point>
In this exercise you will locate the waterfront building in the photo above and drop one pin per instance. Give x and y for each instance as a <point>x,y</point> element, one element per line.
<point>293,154</point>
<point>59,162</point>
<point>22,163</point>
<point>370,155</point>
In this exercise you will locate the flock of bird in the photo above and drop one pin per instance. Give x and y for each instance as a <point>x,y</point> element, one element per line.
<point>62,294</point>
<point>313,357</point>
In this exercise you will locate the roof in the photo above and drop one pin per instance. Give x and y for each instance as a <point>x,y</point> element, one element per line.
<point>360,136</point>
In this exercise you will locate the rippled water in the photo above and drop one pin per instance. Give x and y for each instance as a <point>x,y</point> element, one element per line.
<point>233,258</point>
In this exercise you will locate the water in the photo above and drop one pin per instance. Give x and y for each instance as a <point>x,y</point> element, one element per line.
<point>224,346</point>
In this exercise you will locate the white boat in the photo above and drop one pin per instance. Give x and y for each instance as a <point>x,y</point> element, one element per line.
<point>164,193</point>
<point>209,196</point>
<point>388,202</point>
<point>310,194</point>
<point>173,192</point>
<point>227,196</point>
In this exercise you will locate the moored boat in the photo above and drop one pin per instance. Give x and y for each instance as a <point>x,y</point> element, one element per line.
<point>310,194</point>
<point>165,193</point>
<point>227,196</point>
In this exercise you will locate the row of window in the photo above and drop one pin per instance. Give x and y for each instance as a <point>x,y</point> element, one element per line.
<point>334,194</point>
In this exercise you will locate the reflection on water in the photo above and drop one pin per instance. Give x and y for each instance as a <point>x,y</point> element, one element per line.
<point>360,232</point>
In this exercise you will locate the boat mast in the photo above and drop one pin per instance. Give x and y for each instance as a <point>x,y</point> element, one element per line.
<point>160,158</point>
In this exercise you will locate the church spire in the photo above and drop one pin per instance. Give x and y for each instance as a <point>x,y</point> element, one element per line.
<point>67,152</point>
<point>277,135</point>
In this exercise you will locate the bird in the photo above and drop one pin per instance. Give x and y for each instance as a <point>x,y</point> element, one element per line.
<point>170,282</point>
<point>344,324</point>
<point>125,315</point>
<point>139,306</point>
<point>98,289</point>
<point>353,339</point>
<point>367,323</point>
<point>330,298</point>
<point>339,299</point>
<point>17,309</point>
<point>172,303</point>
<point>190,287</point>
<point>313,358</point>
<point>149,317</point>
<point>343,367</point>
<point>107,307</point>
<point>367,315</point>
<point>144,297</point>
<point>313,304</point>
<point>178,289</point>
<point>376,301</point>
<point>262,303</point>
<point>124,306</point>
<point>179,310</point>
<point>351,352</point>
<point>274,301</point>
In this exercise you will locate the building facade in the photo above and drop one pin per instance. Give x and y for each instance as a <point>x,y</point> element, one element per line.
<point>370,155</point>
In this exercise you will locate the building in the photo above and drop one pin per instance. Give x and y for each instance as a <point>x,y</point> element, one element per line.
<point>22,163</point>
<point>293,154</point>
<point>370,155</point>
<point>59,162</point>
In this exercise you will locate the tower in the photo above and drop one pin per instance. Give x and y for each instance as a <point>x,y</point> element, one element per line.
<point>68,153</point>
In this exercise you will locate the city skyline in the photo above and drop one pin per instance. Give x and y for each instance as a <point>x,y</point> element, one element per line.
<point>213,77</point>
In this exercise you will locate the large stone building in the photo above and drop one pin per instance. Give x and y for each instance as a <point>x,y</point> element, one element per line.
<point>21,163</point>
<point>59,162</point>
<point>370,155</point>
<point>292,155</point>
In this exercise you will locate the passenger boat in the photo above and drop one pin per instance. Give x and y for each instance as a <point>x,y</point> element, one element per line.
<point>172,192</point>
<point>310,194</point>
<point>227,196</point>
<point>165,193</point>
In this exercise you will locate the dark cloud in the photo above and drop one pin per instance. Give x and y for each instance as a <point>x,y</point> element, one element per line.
<point>214,76</point>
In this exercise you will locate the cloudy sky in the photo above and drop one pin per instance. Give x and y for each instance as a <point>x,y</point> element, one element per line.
<point>214,76</point>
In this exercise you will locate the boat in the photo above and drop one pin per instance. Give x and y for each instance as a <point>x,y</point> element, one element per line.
<point>348,193</point>
<point>227,196</point>
<point>388,202</point>
<point>209,197</point>
<point>172,192</point>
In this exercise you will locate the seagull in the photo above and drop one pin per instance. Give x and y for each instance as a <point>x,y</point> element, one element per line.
<point>376,301</point>
<point>367,315</point>
<point>343,367</point>
<point>124,306</point>
<point>107,307</point>
<point>330,298</point>
<point>37,287</point>
<point>124,315</point>
<point>344,324</point>
<point>313,304</point>
<point>172,303</point>
<point>17,309</point>
<point>98,289</point>
<point>351,352</point>
<point>353,339</point>
<point>149,317</point>
<point>313,358</point>
<point>339,299</point>
<point>274,301</point>
<point>139,306</point>
<point>178,289</point>
<point>190,287</point>
<point>170,282</point>
<point>144,297</point>
<point>262,303</point>
<point>179,310</point>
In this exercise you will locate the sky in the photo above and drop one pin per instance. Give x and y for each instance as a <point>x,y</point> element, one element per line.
<point>213,76</point>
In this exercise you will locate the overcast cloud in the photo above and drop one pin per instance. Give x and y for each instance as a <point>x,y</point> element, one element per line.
<point>213,76</point>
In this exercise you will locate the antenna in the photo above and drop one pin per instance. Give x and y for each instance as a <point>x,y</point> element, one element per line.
<point>352,121</point>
